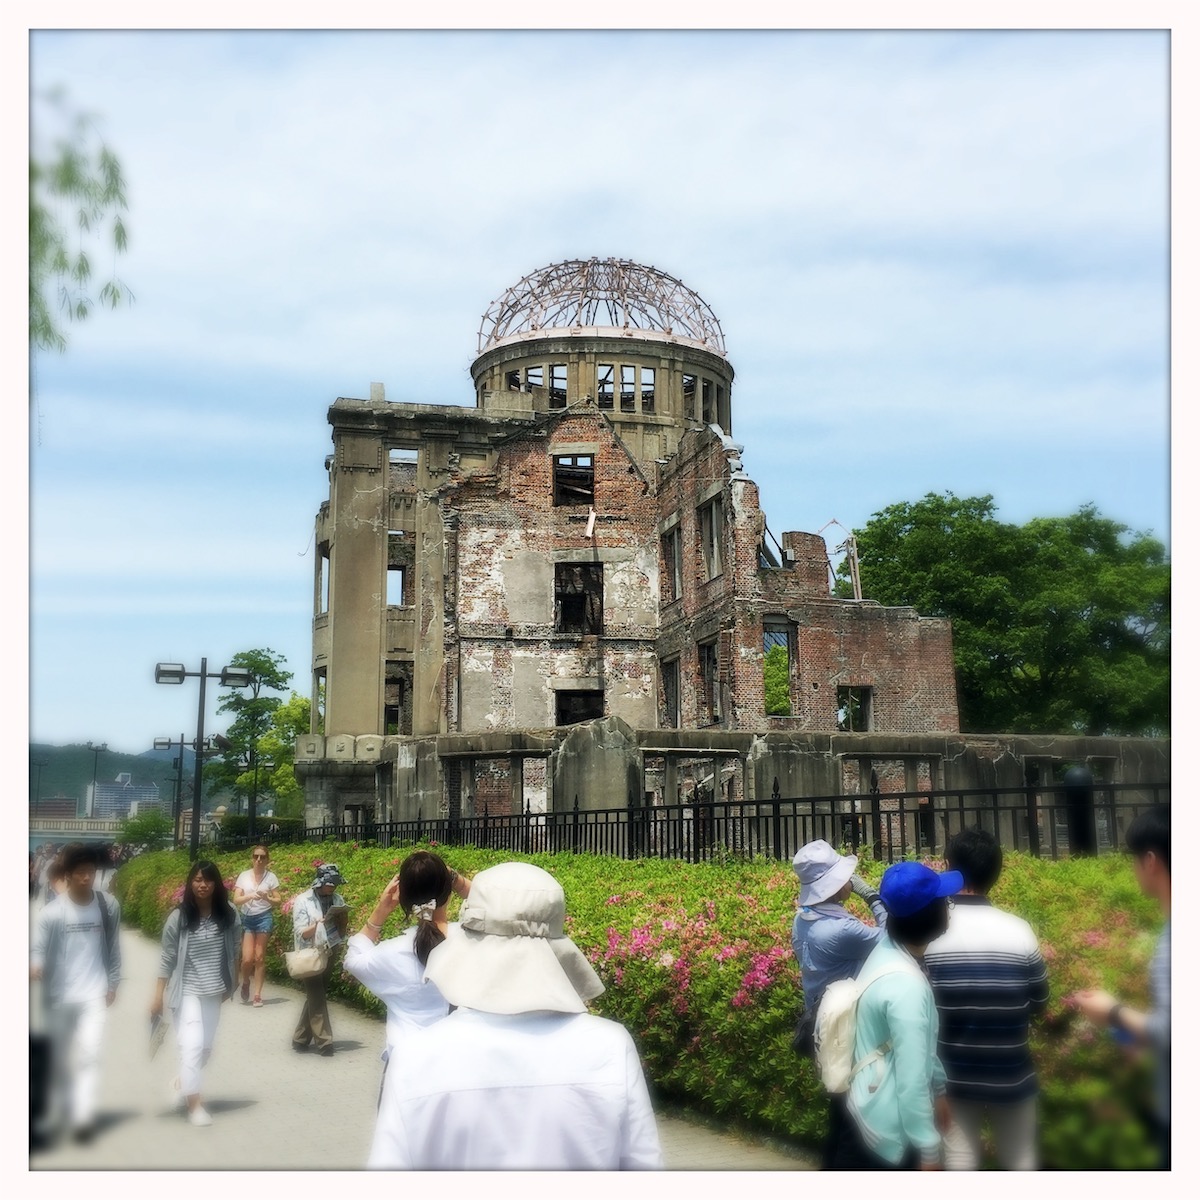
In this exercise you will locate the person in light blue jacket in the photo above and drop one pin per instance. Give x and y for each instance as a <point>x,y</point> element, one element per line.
<point>319,919</point>
<point>897,1099</point>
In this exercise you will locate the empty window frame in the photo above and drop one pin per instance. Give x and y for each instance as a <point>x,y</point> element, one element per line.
<point>628,388</point>
<point>558,385</point>
<point>708,690</point>
<point>647,389</point>
<point>579,598</point>
<point>777,668</point>
<point>672,546</point>
<point>397,715</point>
<point>604,385</point>
<point>317,720</point>
<point>573,707</point>
<point>512,380</point>
<point>712,533</point>
<point>722,408</point>
<point>535,377</point>
<point>574,479</point>
<point>706,402</point>
<point>323,578</point>
<point>689,396</point>
<point>670,694</point>
<point>854,709</point>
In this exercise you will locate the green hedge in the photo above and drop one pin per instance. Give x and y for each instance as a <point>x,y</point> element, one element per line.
<point>698,965</point>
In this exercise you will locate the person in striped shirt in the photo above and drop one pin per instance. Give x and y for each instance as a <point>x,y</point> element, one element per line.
<point>197,972</point>
<point>1149,841</point>
<point>988,980</point>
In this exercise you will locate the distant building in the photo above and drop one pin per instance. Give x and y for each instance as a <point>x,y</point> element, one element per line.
<point>54,807</point>
<point>123,798</point>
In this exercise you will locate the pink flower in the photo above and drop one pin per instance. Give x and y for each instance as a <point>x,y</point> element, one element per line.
<point>1094,939</point>
<point>286,906</point>
<point>317,862</point>
<point>726,952</point>
<point>1048,952</point>
<point>613,900</point>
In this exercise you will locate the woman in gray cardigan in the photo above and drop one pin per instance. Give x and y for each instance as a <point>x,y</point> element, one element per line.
<point>196,975</point>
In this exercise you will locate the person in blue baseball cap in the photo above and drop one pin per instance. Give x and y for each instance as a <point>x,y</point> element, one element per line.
<point>897,1098</point>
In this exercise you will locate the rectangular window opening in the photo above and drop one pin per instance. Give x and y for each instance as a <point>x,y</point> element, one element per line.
<point>628,377</point>
<point>574,479</point>
<point>672,544</point>
<point>647,389</point>
<point>573,707</point>
<point>535,377</point>
<point>709,689</point>
<point>854,709</point>
<point>777,669</point>
<point>706,402</point>
<point>318,701</point>
<point>397,707</point>
<point>558,385</point>
<point>512,380</point>
<point>579,598</point>
<point>689,396</point>
<point>323,581</point>
<point>670,692</point>
<point>604,385</point>
<point>712,525</point>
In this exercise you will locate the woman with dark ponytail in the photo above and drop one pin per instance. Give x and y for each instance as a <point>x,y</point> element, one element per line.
<point>394,969</point>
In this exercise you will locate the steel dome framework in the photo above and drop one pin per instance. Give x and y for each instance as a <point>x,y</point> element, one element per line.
<point>600,293</point>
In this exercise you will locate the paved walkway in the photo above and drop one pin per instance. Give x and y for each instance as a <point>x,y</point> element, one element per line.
<point>275,1109</point>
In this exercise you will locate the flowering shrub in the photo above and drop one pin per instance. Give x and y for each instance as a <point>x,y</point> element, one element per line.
<point>698,965</point>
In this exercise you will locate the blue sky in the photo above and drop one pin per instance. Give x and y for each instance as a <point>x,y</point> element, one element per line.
<point>940,261</point>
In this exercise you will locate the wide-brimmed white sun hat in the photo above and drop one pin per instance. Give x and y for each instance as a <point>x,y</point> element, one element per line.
<point>822,871</point>
<point>508,953</point>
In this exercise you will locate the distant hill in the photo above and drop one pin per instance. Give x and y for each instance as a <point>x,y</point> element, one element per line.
<point>68,769</point>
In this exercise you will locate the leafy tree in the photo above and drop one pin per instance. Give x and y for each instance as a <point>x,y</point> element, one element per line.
<point>151,829</point>
<point>1061,625</point>
<point>252,709</point>
<point>76,198</point>
<point>278,745</point>
<point>775,682</point>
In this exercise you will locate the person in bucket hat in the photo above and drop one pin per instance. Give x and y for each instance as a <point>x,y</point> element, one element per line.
<point>897,1101</point>
<point>319,918</point>
<point>830,943</point>
<point>520,1076</point>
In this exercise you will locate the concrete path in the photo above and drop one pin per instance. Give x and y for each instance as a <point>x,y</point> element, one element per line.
<point>275,1109</point>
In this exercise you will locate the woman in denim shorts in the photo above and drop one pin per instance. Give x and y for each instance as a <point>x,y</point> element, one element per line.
<point>255,893</point>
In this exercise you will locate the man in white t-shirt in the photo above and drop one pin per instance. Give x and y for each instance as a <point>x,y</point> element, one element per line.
<point>521,1076</point>
<point>77,956</point>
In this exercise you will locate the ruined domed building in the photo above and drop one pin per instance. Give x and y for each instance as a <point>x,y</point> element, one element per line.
<point>565,593</point>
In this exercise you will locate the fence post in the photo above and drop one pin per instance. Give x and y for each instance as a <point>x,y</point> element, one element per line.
<point>776,821</point>
<point>525,830</point>
<point>1031,820</point>
<point>575,826</point>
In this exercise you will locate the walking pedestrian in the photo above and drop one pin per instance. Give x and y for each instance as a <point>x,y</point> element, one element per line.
<point>830,943</point>
<point>521,1076</point>
<point>394,969</point>
<point>256,892</point>
<point>76,954</point>
<point>988,979</point>
<point>1149,841</point>
<point>196,975</point>
<point>897,1098</point>
<point>319,919</point>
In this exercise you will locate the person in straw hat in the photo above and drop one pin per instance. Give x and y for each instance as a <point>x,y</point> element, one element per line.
<point>520,1076</point>
<point>830,942</point>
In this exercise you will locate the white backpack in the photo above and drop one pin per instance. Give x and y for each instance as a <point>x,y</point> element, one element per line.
<point>833,1035</point>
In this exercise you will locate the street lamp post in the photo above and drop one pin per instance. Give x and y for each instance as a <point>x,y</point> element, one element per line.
<point>37,787</point>
<point>229,677</point>
<point>96,752</point>
<point>177,797</point>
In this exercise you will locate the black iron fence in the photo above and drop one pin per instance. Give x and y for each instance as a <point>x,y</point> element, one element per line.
<point>1049,821</point>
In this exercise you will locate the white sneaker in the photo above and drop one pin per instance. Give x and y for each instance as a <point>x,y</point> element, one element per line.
<point>199,1116</point>
<point>178,1100</point>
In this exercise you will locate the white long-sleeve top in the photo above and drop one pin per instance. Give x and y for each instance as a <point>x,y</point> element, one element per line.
<point>537,1091</point>
<point>392,971</point>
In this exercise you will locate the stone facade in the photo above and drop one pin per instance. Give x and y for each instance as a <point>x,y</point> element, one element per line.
<point>516,603</point>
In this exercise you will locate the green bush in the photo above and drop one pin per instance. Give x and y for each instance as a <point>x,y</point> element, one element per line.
<point>698,965</point>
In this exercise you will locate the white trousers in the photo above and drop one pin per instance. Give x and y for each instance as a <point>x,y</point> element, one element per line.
<point>1014,1127</point>
<point>196,1022</point>
<point>76,1032</point>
